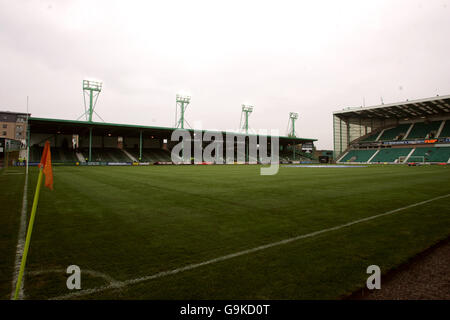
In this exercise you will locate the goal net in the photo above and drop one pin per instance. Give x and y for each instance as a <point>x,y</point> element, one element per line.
<point>411,159</point>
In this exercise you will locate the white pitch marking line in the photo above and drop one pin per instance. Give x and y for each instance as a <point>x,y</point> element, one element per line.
<point>21,241</point>
<point>237,254</point>
<point>92,273</point>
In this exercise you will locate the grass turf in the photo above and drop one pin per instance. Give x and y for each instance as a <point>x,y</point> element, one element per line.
<point>129,222</point>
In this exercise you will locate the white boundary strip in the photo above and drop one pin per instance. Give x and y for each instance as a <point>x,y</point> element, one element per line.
<point>129,155</point>
<point>440,128</point>
<point>410,154</point>
<point>122,284</point>
<point>21,241</point>
<point>342,157</point>
<point>379,136</point>
<point>373,156</point>
<point>92,273</point>
<point>408,131</point>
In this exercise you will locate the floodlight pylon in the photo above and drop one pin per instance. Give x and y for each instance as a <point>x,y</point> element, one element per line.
<point>182,102</point>
<point>245,113</point>
<point>91,91</point>
<point>293,116</point>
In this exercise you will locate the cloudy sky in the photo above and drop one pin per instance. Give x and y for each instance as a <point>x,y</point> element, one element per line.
<point>311,57</point>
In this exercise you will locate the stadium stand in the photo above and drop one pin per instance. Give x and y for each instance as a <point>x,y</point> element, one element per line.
<point>395,133</point>
<point>446,130</point>
<point>63,155</point>
<point>304,155</point>
<point>151,155</point>
<point>120,143</point>
<point>59,155</point>
<point>423,130</point>
<point>102,155</point>
<point>288,155</point>
<point>358,156</point>
<point>423,152</point>
<point>391,154</point>
<point>433,154</point>
<point>106,155</point>
<point>409,131</point>
<point>371,137</point>
<point>35,153</point>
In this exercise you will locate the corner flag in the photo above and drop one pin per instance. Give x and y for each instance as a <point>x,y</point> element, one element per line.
<point>44,167</point>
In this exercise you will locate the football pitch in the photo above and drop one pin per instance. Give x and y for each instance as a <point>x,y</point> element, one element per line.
<point>220,232</point>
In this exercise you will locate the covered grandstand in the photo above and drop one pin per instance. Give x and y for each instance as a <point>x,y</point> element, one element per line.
<point>96,143</point>
<point>410,131</point>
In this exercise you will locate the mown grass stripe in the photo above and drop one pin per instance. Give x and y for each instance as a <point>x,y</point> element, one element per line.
<point>125,283</point>
<point>21,241</point>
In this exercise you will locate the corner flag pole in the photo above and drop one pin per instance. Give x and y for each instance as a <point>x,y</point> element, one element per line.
<point>28,238</point>
<point>45,167</point>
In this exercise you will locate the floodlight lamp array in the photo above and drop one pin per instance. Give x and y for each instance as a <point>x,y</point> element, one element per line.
<point>247,108</point>
<point>183,98</point>
<point>293,115</point>
<point>92,85</point>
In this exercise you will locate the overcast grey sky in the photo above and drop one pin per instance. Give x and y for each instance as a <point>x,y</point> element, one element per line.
<point>311,57</point>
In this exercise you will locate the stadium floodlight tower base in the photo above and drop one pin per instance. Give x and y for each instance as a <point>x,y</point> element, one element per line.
<point>91,91</point>
<point>181,106</point>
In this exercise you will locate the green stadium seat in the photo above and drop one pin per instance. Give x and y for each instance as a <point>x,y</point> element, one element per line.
<point>445,133</point>
<point>393,133</point>
<point>151,155</point>
<point>371,137</point>
<point>358,156</point>
<point>106,155</point>
<point>59,155</point>
<point>391,154</point>
<point>431,154</point>
<point>422,129</point>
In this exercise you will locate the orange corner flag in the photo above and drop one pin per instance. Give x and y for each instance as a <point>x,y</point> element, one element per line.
<point>46,165</point>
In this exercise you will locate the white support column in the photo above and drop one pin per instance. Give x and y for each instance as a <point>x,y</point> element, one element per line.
<point>342,157</point>
<point>409,130</point>
<point>379,136</point>
<point>80,157</point>
<point>129,155</point>
<point>440,129</point>
<point>409,155</point>
<point>373,156</point>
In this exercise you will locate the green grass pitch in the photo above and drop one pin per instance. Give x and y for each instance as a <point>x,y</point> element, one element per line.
<point>131,222</point>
